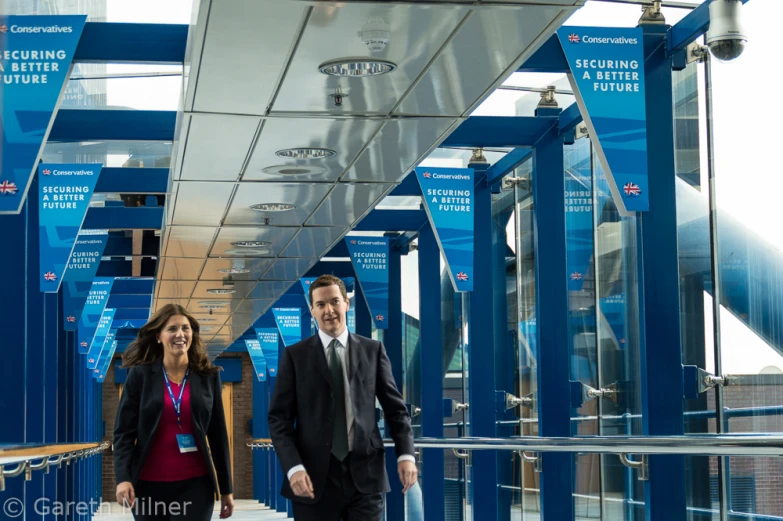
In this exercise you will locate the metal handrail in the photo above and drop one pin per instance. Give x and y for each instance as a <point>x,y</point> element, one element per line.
<point>25,464</point>
<point>696,445</point>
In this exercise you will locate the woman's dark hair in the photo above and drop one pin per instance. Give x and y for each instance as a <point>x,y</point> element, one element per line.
<point>146,349</point>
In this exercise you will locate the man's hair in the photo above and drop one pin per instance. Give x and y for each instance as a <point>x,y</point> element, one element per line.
<point>325,281</point>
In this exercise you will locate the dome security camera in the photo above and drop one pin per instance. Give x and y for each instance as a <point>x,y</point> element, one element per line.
<point>726,36</point>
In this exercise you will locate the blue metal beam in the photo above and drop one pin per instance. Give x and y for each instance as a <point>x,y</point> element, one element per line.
<point>113,125</point>
<point>507,163</point>
<point>409,186</point>
<point>132,43</point>
<point>569,118</point>
<point>133,180</point>
<point>548,58</point>
<point>121,218</point>
<point>493,131</point>
<point>393,220</point>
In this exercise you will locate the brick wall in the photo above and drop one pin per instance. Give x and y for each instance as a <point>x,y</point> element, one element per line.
<point>242,413</point>
<point>767,473</point>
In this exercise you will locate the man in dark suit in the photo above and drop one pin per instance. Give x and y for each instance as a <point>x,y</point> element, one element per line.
<point>322,417</point>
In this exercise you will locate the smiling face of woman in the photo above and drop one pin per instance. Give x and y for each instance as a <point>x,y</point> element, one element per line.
<point>176,336</point>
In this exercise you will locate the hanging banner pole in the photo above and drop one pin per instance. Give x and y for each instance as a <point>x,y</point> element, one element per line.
<point>31,92</point>
<point>448,200</point>
<point>64,195</point>
<point>607,76</point>
<point>369,256</point>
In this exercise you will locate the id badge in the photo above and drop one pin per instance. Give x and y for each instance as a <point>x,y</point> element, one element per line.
<point>186,442</point>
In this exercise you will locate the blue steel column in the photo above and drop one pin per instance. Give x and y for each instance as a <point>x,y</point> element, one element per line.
<point>554,405</point>
<point>481,357</point>
<point>431,352</point>
<point>661,353</point>
<point>392,341</point>
<point>12,375</point>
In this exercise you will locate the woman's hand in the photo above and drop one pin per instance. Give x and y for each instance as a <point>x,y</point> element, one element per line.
<point>126,496</point>
<point>226,506</point>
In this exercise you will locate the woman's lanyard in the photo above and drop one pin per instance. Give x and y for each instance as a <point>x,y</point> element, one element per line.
<point>176,402</point>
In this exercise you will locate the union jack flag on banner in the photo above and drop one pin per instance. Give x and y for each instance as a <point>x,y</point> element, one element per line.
<point>632,189</point>
<point>46,171</point>
<point>426,175</point>
<point>91,360</point>
<point>84,344</point>
<point>462,276</point>
<point>574,38</point>
<point>8,188</point>
<point>379,318</point>
<point>49,276</point>
<point>71,318</point>
<point>576,276</point>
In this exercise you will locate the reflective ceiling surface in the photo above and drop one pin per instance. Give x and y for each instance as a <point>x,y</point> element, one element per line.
<point>252,87</point>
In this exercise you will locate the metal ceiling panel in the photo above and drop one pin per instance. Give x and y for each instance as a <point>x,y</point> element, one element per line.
<point>397,148</point>
<point>288,269</point>
<point>270,289</point>
<point>313,242</point>
<point>189,241</point>
<point>264,31</point>
<point>277,236</point>
<point>161,302</point>
<point>181,269</point>
<point>241,289</point>
<point>210,320</point>
<point>347,202</point>
<point>217,146</point>
<point>416,35</point>
<point>305,197</point>
<point>257,268</point>
<point>201,204</point>
<point>346,137</point>
<point>477,55</point>
<point>254,307</point>
<point>226,307</point>
<point>175,289</point>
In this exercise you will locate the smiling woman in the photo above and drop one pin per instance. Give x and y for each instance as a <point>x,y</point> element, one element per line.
<point>170,431</point>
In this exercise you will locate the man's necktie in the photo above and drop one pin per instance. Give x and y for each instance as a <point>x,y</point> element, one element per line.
<point>340,432</point>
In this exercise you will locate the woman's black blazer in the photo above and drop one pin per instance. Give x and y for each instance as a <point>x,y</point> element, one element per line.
<point>139,413</point>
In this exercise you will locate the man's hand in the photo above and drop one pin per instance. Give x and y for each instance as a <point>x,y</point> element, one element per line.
<point>301,484</point>
<point>409,474</point>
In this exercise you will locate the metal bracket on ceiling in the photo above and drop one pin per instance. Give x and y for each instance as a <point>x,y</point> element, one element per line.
<point>548,98</point>
<point>478,156</point>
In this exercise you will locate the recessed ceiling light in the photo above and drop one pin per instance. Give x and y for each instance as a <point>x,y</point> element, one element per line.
<point>233,271</point>
<point>206,329</point>
<point>248,252</point>
<point>206,319</point>
<point>212,304</point>
<point>293,170</point>
<point>306,153</point>
<point>221,291</point>
<point>357,67</point>
<point>251,244</point>
<point>272,207</point>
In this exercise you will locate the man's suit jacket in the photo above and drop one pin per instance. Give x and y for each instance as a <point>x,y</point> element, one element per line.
<point>139,413</point>
<point>301,414</point>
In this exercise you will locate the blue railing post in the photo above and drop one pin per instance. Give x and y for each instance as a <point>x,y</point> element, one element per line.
<point>483,343</point>
<point>392,341</point>
<point>554,404</point>
<point>431,352</point>
<point>661,353</point>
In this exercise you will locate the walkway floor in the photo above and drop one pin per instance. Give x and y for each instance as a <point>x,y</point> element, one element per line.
<point>244,510</point>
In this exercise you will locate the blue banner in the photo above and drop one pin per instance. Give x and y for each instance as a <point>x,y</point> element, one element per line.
<point>578,186</point>
<point>107,354</point>
<point>448,200</point>
<point>35,63</point>
<point>257,357</point>
<point>79,273</point>
<point>93,309</point>
<point>268,339</point>
<point>65,192</point>
<point>369,256</point>
<point>289,323</point>
<point>102,331</point>
<point>607,75</point>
